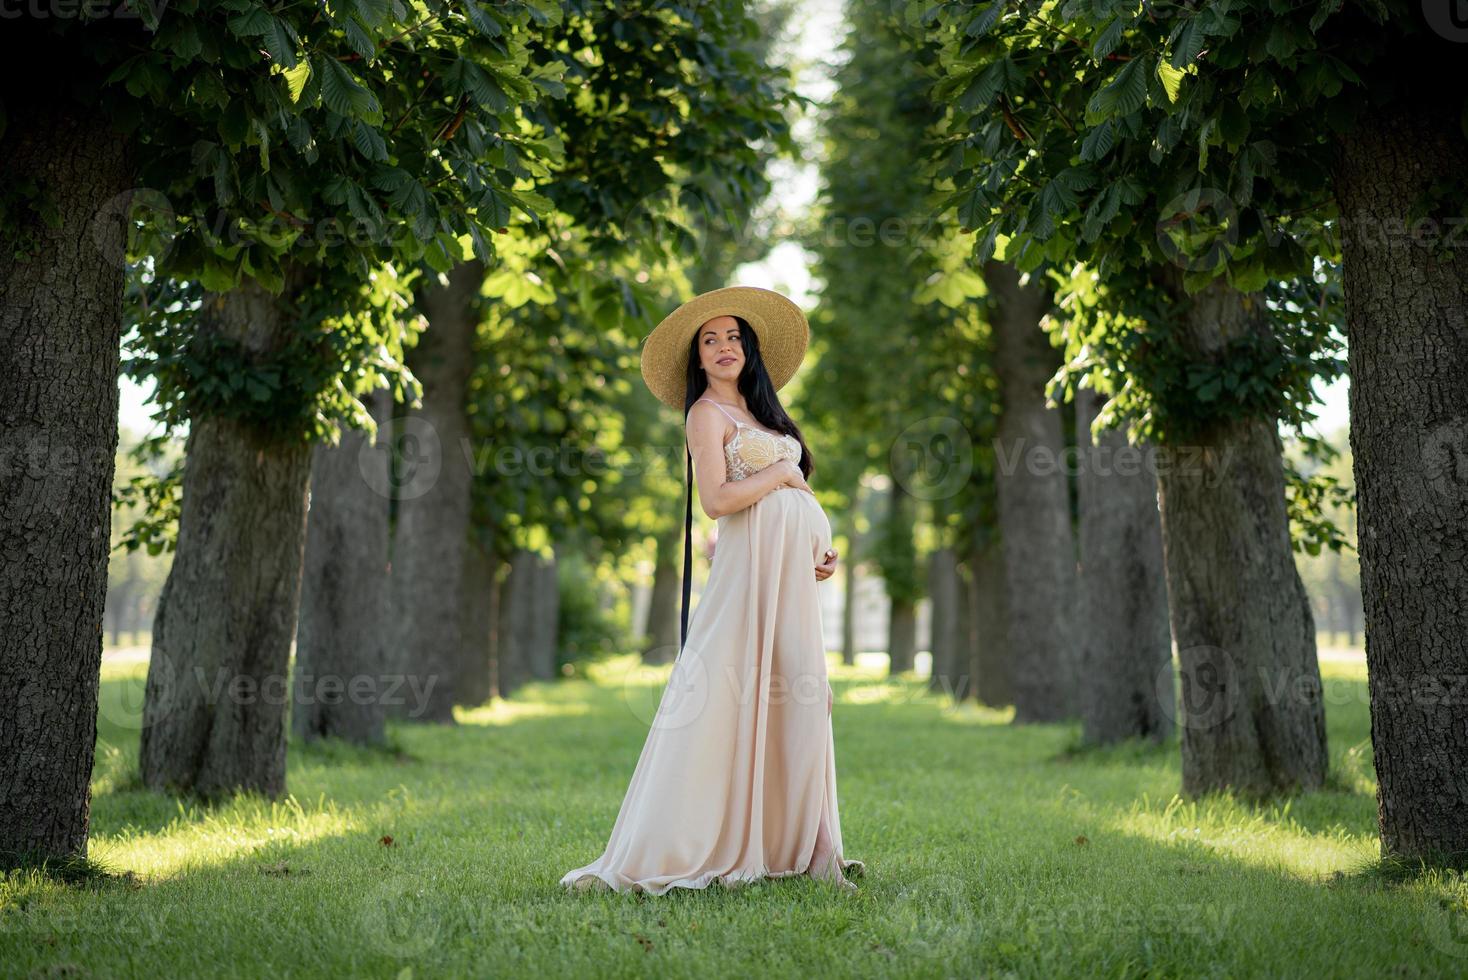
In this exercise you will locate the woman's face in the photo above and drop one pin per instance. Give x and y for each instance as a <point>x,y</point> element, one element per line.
<point>720,350</point>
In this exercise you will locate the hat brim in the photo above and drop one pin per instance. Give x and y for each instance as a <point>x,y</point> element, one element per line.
<point>781,325</point>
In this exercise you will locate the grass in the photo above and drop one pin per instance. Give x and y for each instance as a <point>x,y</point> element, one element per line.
<point>991,851</point>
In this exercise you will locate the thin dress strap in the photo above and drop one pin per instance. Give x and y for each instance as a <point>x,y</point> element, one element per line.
<point>722,409</point>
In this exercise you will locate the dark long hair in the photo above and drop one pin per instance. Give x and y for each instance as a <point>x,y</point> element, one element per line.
<point>756,387</point>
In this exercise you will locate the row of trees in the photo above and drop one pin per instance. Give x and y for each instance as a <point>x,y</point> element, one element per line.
<point>300,217</point>
<point>1192,192</point>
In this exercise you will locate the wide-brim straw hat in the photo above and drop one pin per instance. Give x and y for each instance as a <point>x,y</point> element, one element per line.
<point>783,331</point>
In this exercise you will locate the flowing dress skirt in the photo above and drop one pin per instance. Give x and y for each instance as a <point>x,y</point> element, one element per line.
<point>739,766</point>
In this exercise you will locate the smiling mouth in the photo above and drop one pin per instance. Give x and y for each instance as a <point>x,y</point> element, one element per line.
<point>725,360</point>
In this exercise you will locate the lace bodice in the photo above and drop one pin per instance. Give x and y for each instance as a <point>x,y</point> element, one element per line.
<point>752,448</point>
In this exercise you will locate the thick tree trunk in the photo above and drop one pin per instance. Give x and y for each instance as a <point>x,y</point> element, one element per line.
<point>434,499</point>
<point>342,674</point>
<point>529,610</point>
<point>663,612</point>
<point>993,664</point>
<point>1034,504</point>
<point>478,612</point>
<point>214,710</point>
<point>901,635</point>
<point>1251,713</point>
<point>60,310</point>
<point>945,639</point>
<point>1126,646</point>
<point>1407,317</point>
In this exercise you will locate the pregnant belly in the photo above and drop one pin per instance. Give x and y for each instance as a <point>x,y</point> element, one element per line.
<point>802,512</point>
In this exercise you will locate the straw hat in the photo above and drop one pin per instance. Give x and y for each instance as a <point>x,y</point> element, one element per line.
<point>780,325</point>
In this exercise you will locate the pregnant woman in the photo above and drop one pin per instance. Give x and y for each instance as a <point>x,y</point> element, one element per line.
<point>737,778</point>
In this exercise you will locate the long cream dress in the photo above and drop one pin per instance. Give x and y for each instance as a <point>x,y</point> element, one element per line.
<point>740,761</point>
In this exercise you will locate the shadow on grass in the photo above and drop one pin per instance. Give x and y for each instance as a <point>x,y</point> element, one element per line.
<point>986,844</point>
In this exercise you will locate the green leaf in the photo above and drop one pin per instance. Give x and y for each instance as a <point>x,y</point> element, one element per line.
<point>250,23</point>
<point>487,24</point>
<point>1107,40</point>
<point>1125,93</point>
<point>369,142</point>
<point>296,78</point>
<point>1098,141</point>
<point>344,95</point>
<point>1172,80</point>
<point>1189,44</point>
<point>483,87</point>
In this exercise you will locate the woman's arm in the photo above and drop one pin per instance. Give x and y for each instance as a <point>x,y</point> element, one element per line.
<point>717,494</point>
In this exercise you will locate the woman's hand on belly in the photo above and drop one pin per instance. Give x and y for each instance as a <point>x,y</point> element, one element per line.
<point>828,568</point>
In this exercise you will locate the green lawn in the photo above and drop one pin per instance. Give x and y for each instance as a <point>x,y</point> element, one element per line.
<point>990,850</point>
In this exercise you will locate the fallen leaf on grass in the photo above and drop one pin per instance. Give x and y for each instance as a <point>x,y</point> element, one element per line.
<point>386,840</point>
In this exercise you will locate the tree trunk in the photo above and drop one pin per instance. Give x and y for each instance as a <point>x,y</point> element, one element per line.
<point>215,705</point>
<point>663,611</point>
<point>545,645</point>
<point>848,591</point>
<point>434,498</point>
<point>519,634</point>
<point>60,310</point>
<point>901,635</point>
<point>1407,317</point>
<point>342,674</point>
<point>477,610</point>
<point>1034,503</point>
<point>993,663</point>
<point>1126,647</point>
<point>945,641</point>
<point>1251,712</point>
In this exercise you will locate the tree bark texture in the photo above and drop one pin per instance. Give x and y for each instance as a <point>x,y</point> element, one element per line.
<point>1251,712</point>
<point>529,613</point>
<point>477,627</point>
<point>342,671</point>
<point>60,313</point>
<point>664,609</point>
<point>989,630</point>
<point>1407,319</point>
<point>1034,504</point>
<point>1125,639</point>
<point>435,495</point>
<point>214,711</point>
<point>946,644</point>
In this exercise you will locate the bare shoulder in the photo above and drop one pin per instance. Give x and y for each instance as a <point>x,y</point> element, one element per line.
<point>706,424</point>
